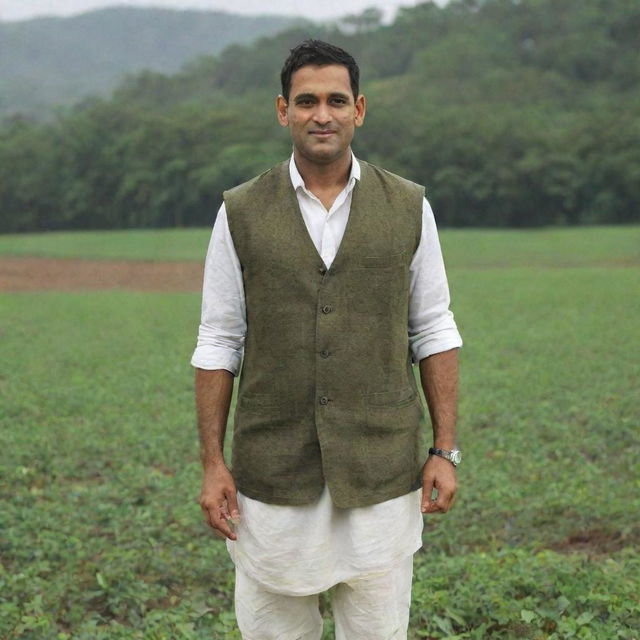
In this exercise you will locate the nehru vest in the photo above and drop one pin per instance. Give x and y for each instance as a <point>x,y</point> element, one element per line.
<point>327,392</point>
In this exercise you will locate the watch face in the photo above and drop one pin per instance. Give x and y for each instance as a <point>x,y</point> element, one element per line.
<point>456,457</point>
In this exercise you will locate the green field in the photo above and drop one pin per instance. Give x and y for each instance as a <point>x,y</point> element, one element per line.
<point>160,244</point>
<point>549,247</point>
<point>100,533</point>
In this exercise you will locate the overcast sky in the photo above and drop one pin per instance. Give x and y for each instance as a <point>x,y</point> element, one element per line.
<point>314,9</point>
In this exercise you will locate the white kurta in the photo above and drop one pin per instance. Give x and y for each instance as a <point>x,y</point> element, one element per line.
<point>306,549</point>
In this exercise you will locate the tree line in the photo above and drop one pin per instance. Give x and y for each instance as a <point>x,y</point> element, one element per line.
<point>511,113</point>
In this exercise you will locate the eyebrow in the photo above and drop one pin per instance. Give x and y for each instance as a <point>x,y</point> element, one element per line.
<point>311,96</point>
<point>304,96</point>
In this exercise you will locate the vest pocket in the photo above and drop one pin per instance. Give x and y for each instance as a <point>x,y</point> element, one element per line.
<point>261,402</point>
<point>259,415</point>
<point>379,285</point>
<point>378,262</point>
<point>398,409</point>
<point>391,443</point>
<point>275,456</point>
<point>393,398</point>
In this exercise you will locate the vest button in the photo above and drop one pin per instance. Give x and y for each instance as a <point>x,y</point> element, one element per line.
<point>322,271</point>
<point>324,353</point>
<point>324,400</point>
<point>327,308</point>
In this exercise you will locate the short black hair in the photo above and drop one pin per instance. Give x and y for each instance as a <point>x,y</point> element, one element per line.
<point>319,53</point>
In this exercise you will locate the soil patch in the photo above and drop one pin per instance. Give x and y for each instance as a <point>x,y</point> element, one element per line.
<point>62,274</point>
<point>596,541</point>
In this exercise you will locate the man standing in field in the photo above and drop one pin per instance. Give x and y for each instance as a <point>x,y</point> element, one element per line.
<point>326,274</point>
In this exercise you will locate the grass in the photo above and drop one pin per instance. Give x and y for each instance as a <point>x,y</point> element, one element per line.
<point>546,248</point>
<point>100,533</point>
<point>464,248</point>
<point>156,244</point>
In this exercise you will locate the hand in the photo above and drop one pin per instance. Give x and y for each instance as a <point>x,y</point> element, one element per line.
<point>219,501</point>
<point>438,474</point>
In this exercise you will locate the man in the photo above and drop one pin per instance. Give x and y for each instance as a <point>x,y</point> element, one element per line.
<point>325,274</point>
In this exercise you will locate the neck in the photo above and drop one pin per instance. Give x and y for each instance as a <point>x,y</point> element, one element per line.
<point>324,176</point>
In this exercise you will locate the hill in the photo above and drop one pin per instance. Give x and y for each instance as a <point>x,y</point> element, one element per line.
<point>47,61</point>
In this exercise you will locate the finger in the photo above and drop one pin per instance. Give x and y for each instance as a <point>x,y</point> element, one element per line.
<point>428,490</point>
<point>232,505</point>
<point>208,518</point>
<point>218,534</point>
<point>218,522</point>
<point>221,524</point>
<point>445,499</point>
<point>446,502</point>
<point>224,510</point>
<point>447,493</point>
<point>432,506</point>
<point>427,500</point>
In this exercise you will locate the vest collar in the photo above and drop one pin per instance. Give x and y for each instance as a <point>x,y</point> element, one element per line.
<point>298,183</point>
<point>361,200</point>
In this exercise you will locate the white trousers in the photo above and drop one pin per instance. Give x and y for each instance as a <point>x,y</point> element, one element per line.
<point>374,606</point>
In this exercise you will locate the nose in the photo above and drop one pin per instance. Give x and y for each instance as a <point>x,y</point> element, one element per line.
<point>322,114</point>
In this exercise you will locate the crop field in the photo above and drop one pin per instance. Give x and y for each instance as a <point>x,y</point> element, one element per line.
<point>547,247</point>
<point>101,536</point>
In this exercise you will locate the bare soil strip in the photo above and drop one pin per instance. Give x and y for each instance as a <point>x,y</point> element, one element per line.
<point>61,274</point>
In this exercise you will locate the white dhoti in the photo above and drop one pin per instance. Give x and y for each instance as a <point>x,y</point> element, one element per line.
<point>286,556</point>
<point>373,606</point>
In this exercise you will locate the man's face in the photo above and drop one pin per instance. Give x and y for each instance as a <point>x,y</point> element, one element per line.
<point>321,112</point>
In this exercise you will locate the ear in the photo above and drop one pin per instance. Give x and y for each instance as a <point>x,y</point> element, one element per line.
<point>281,111</point>
<point>361,109</point>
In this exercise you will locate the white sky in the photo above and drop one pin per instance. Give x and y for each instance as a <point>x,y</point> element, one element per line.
<point>313,9</point>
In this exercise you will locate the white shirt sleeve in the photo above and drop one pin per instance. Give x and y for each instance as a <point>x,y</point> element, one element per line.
<point>432,328</point>
<point>223,322</point>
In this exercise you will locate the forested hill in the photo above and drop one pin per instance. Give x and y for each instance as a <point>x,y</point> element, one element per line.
<point>512,113</point>
<point>47,61</point>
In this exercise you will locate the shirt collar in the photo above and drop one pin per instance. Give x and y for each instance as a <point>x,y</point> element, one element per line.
<point>298,182</point>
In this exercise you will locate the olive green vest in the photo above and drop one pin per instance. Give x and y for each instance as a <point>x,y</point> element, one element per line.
<point>327,392</point>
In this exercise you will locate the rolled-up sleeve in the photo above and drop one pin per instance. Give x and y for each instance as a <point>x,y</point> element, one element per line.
<point>432,328</point>
<point>223,321</point>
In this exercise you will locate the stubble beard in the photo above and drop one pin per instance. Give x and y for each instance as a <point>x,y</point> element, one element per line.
<point>322,154</point>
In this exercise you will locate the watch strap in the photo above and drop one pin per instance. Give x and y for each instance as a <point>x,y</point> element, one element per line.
<point>452,456</point>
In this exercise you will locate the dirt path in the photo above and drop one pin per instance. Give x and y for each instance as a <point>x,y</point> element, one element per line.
<point>61,274</point>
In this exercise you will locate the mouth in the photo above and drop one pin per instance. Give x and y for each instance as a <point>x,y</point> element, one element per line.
<point>322,133</point>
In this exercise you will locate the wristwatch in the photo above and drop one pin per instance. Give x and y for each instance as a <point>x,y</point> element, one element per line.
<point>454,456</point>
